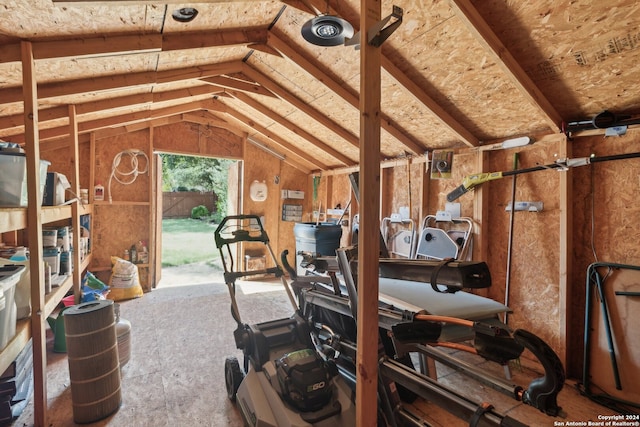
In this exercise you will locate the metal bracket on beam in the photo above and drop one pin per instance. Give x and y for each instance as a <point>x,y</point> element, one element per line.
<point>379,33</point>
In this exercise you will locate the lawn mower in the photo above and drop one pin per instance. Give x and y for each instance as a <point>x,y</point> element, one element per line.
<point>284,380</point>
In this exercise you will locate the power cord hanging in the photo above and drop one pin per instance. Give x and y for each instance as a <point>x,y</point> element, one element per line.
<point>128,177</point>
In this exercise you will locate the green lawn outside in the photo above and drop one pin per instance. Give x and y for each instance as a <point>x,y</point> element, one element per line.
<point>188,241</point>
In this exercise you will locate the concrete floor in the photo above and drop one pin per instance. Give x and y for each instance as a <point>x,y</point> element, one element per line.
<point>180,337</point>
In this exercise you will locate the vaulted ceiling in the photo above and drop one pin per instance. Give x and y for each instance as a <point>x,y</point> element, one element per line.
<point>455,73</point>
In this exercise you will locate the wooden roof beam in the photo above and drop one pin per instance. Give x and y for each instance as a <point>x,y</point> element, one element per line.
<point>209,119</point>
<point>214,38</point>
<point>386,122</point>
<point>205,118</point>
<point>298,103</point>
<point>119,130</point>
<point>416,91</point>
<point>15,122</point>
<point>136,43</point>
<point>116,120</point>
<point>240,85</point>
<point>471,18</point>
<point>421,96</point>
<point>289,148</point>
<point>199,72</point>
<point>120,81</point>
<point>344,160</point>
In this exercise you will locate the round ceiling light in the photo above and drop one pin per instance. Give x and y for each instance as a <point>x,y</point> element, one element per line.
<point>184,14</point>
<point>327,30</point>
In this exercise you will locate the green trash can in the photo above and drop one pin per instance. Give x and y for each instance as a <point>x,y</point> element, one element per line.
<point>321,238</point>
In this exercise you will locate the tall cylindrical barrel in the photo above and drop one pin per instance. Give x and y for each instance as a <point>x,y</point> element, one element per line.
<point>94,368</point>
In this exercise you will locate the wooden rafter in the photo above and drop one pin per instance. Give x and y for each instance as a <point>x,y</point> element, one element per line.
<point>122,81</point>
<point>134,127</point>
<point>235,84</point>
<point>414,90</point>
<point>275,138</point>
<point>421,96</point>
<point>199,72</point>
<point>208,119</point>
<point>115,119</point>
<point>13,124</point>
<point>469,15</point>
<point>213,38</point>
<point>136,43</point>
<point>247,100</point>
<point>386,122</point>
<point>78,86</point>
<point>287,96</point>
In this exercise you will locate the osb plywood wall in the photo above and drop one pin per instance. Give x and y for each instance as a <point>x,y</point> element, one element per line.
<point>196,139</point>
<point>535,291</point>
<point>61,162</point>
<point>123,221</point>
<point>534,279</point>
<point>534,294</point>
<point>605,229</point>
<point>114,227</point>
<point>623,322</point>
<point>291,179</point>
<point>118,225</point>
<point>261,166</point>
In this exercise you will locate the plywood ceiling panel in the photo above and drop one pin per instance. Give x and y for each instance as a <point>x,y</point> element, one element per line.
<point>455,73</point>
<point>586,52</point>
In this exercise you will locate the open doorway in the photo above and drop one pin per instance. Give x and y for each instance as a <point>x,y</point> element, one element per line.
<point>193,194</point>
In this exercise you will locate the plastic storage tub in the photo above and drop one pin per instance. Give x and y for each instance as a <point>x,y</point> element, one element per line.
<point>22,294</point>
<point>52,257</point>
<point>13,179</point>
<point>9,277</point>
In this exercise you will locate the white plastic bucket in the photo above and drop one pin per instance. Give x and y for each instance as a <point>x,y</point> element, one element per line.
<point>49,237</point>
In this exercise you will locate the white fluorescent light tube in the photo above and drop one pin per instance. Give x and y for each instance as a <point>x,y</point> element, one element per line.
<point>265,148</point>
<point>517,142</point>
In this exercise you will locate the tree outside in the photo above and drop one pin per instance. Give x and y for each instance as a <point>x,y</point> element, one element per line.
<point>189,173</point>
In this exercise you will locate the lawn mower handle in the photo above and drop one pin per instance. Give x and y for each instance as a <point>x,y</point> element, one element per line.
<point>240,233</point>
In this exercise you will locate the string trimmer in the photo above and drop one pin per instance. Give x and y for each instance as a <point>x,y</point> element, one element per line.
<point>472,181</point>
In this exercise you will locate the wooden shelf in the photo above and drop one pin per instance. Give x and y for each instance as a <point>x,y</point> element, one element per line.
<point>120,203</point>
<point>85,263</point>
<point>55,213</point>
<point>16,344</point>
<point>52,299</point>
<point>16,218</point>
<point>85,209</point>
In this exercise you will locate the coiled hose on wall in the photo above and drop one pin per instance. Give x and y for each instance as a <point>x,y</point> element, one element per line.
<point>127,177</point>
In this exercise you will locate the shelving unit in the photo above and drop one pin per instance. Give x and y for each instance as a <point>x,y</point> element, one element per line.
<point>13,219</point>
<point>31,220</point>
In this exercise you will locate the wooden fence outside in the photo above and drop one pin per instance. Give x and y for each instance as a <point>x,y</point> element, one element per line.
<point>179,204</point>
